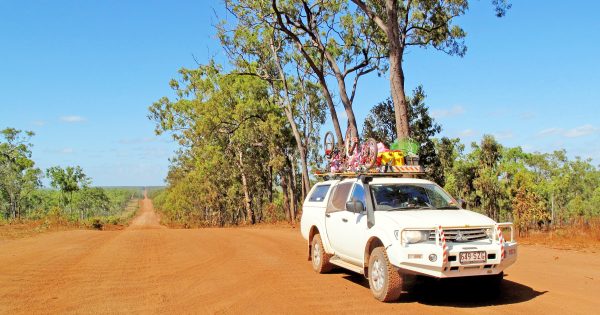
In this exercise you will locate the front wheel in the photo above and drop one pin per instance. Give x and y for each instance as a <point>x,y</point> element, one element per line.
<point>384,279</point>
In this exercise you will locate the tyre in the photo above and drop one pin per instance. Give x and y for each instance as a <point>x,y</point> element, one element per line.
<point>320,259</point>
<point>351,145</point>
<point>329,145</point>
<point>369,152</point>
<point>384,279</point>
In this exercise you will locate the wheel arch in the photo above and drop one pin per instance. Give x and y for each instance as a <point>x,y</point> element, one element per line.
<point>372,243</point>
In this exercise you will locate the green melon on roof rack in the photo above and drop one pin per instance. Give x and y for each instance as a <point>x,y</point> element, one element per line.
<point>406,145</point>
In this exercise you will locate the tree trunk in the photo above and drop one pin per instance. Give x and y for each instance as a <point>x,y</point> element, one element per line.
<point>316,68</point>
<point>13,205</point>
<point>398,96</point>
<point>286,199</point>
<point>332,112</point>
<point>293,203</point>
<point>346,102</point>
<point>289,114</point>
<point>270,184</point>
<point>396,73</point>
<point>247,201</point>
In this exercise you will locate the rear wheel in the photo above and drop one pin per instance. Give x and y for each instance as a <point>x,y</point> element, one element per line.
<point>320,259</point>
<point>384,279</point>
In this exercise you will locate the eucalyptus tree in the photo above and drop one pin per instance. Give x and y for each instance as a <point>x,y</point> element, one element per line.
<point>68,180</point>
<point>330,39</point>
<point>419,23</point>
<point>488,155</point>
<point>228,127</point>
<point>258,49</point>
<point>18,175</point>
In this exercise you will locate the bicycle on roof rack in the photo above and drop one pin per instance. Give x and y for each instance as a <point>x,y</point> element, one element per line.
<point>352,156</point>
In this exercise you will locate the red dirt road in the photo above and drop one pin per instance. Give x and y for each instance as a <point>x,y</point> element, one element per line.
<point>151,269</point>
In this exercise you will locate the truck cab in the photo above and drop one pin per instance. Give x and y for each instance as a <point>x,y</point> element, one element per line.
<point>384,227</point>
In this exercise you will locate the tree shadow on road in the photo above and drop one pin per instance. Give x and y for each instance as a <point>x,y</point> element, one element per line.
<point>457,292</point>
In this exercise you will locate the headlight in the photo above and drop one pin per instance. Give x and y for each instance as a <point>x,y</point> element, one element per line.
<point>489,233</point>
<point>411,237</point>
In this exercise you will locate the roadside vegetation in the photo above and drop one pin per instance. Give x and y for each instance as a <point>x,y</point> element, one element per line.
<point>250,135</point>
<point>71,200</point>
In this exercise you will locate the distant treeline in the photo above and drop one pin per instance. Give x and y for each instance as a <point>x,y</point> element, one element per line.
<point>71,198</point>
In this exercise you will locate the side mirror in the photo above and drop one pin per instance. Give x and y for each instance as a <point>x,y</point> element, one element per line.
<point>355,206</point>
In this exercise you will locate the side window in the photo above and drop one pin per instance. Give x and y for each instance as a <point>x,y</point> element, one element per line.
<point>340,195</point>
<point>319,193</point>
<point>358,194</point>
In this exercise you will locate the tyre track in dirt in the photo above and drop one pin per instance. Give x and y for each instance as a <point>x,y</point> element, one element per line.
<point>148,268</point>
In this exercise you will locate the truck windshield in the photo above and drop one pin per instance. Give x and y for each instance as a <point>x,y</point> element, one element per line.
<point>390,197</point>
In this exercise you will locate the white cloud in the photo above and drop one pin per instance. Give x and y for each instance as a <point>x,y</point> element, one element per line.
<point>39,123</point>
<point>580,131</point>
<point>67,150</point>
<point>466,133</point>
<point>504,135</point>
<point>576,132</point>
<point>442,113</point>
<point>72,119</point>
<point>527,115</point>
<point>550,131</point>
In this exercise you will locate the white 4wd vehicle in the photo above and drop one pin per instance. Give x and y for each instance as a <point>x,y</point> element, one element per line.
<point>384,227</point>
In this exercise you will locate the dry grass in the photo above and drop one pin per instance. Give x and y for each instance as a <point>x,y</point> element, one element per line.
<point>579,237</point>
<point>28,228</point>
<point>53,223</point>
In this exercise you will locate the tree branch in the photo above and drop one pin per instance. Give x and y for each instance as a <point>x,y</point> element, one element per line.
<point>363,6</point>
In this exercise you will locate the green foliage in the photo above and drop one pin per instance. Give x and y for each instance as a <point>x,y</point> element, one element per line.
<point>22,198</point>
<point>420,23</point>
<point>533,189</point>
<point>18,175</point>
<point>234,140</point>
<point>380,125</point>
<point>68,180</point>
<point>89,202</point>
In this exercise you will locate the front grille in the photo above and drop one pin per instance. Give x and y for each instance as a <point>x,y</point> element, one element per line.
<point>464,235</point>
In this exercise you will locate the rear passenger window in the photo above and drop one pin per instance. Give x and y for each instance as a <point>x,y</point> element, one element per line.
<point>340,196</point>
<point>319,194</point>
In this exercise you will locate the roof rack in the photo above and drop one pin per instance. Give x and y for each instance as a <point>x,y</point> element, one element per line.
<point>407,171</point>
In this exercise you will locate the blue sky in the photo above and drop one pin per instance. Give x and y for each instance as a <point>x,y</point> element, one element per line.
<point>81,74</point>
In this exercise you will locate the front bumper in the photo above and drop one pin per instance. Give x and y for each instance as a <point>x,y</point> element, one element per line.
<point>415,258</point>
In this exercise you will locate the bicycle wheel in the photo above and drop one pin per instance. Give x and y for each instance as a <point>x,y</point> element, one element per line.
<point>350,143</point>
<point>369,153</point>
<point>329,145</point>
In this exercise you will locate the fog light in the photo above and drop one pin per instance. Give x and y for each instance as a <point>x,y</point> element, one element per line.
<point>432,257</point>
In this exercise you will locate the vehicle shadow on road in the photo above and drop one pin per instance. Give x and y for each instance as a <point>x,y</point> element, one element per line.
<point>469,292</point>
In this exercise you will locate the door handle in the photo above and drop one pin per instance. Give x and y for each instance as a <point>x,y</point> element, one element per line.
<point>327,215</point>
<point>344,219</point>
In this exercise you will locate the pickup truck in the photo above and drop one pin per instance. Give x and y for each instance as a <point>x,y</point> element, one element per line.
<point>387,227</point>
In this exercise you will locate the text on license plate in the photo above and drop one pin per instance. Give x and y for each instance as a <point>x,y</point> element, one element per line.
<point>473,257</point>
